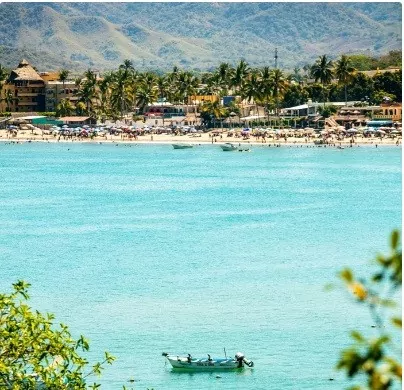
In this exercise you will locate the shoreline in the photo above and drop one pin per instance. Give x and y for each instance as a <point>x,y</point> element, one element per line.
<point>271,143</point>
<point>203,139</point>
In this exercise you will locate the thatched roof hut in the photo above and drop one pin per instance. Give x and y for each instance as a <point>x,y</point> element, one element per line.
<point>24,72</point>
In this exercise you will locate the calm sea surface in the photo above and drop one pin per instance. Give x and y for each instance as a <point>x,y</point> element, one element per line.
<point>146,249</point>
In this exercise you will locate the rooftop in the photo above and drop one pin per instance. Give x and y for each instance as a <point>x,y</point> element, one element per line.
<point>371,73</point>
<point>25,72</point>
<point>74,118</point>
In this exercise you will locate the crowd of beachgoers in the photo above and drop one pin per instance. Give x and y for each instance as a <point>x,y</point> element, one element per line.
<point>189,134</point>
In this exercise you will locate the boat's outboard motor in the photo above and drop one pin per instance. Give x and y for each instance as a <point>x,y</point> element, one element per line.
<point>242,360</point>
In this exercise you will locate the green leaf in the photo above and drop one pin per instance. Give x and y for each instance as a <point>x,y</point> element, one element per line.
<point>397,322</point>
<point>378,277</point>
<point>395,235</point>
<point>346,275</point>
<point>47,350</point>
<point>357,336</point>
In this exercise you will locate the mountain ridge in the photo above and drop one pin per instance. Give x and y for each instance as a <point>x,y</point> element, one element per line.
<point>193,35</point>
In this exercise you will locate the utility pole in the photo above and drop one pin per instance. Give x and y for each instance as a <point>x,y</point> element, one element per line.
<point>276,58</point>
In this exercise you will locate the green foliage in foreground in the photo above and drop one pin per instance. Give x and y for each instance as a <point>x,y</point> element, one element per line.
<point>34,353</point>
<point>377,359</point>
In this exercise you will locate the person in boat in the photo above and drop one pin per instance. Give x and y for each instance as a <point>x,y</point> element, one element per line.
<point>209,358</point>
<point>189,358</point>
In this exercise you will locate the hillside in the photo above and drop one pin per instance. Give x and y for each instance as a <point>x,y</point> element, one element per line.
<point>192,35</point>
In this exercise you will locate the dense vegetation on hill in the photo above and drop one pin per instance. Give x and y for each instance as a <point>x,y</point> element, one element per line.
<point>193,35</point>
<point>364,62</point>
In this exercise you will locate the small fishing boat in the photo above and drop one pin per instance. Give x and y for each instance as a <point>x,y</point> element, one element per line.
<point>208,363</point>
<point>182,146</point>
<point>228,147</point>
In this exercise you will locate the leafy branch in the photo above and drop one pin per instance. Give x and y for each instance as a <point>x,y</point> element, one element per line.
<point>378,358</point>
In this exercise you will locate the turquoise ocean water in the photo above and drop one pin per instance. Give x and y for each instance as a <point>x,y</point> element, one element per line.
<point>147,249</point>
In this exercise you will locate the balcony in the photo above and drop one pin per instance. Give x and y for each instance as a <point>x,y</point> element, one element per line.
<point>387,117</point>
<point>350,118</point>
<point>27,94</point>
<point>22,103</point>
<point>380,116</point>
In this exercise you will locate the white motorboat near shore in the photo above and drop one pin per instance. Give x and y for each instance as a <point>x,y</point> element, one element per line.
<point>182,146</point>
<point>228,147</point>
<point>208,363</point>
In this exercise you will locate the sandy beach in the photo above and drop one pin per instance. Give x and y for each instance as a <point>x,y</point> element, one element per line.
<point>203,138</point>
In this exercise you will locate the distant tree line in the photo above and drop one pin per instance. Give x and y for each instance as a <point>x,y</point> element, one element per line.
<point>118,92</point>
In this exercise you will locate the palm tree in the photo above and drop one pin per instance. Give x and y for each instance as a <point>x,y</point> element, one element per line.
<point>279,84</point>
<point>90,76</point>
<point>214,110</point>
<point>81,108</point>
<point>344,72</point>
<point>322,71</point>
<point>125,73</point>
<point>252,90</point>
<point>224,73</point>
<point>104,95</point>
<point>147,91</point>
<point>162,86</point>
<point>296,76</point>
<point>127,66</point>
<point>64,108</point>
<point>9,99</point>
<point>214,85</point>
<point>240,75</point>
<point>3,77</point>
<point>63,75</point>
<point>265,76</point>
<point>87,89</point>
<point>187,84</point>
<point>119,82</point>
